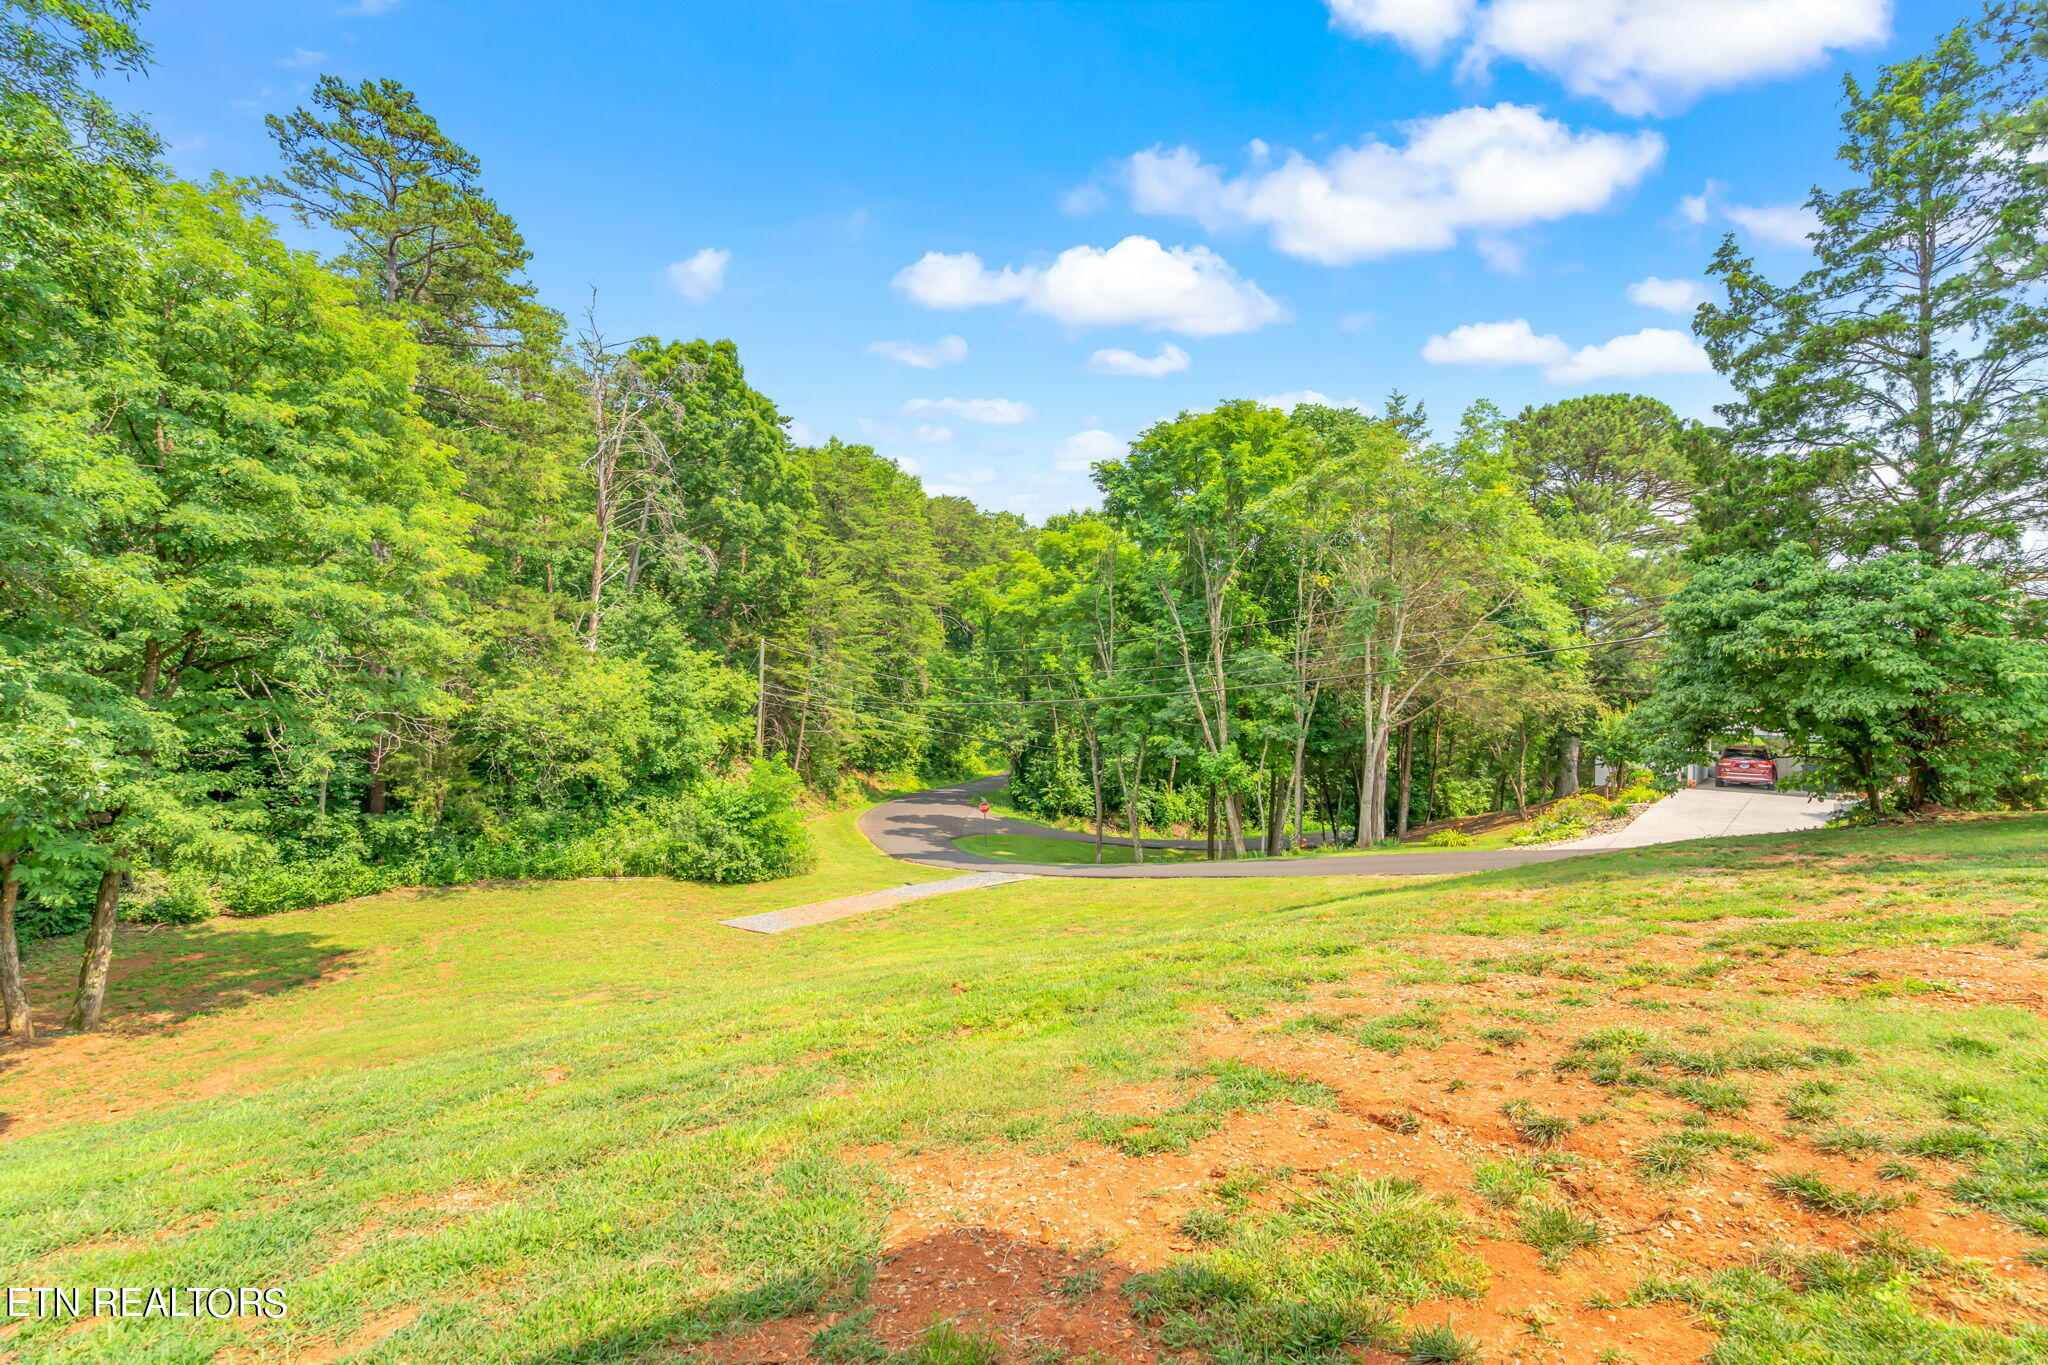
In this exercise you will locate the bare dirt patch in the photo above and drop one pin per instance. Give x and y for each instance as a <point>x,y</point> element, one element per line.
<point>1029,1296</point>
<point>1434,1113</point>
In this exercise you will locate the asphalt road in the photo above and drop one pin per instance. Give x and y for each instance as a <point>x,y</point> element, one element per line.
<point>921,829</point>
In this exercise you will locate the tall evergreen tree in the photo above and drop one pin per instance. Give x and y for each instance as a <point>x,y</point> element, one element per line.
<point>1895,397</point>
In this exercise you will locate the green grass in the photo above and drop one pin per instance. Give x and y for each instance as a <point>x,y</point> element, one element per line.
<point>1815,1193</point>
<point>1557,1232</point>
<point>582,1121</point>
<point>1316,1279</point>
<point>1831,1308</point>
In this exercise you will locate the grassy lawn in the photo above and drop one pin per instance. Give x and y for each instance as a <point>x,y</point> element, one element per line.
<point>1781,1099</point>
<point>1022,848</point>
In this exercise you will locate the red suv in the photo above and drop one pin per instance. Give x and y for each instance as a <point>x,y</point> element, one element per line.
<point>1745,765</point>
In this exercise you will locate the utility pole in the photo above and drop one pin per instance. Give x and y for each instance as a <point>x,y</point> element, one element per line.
<point>760,696</point>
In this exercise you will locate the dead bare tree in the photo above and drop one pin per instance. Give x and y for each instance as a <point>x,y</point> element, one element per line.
<point>631,464</point>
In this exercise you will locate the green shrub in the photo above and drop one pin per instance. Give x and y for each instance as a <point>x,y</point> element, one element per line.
<point>1548,830</point>
<point>179,900</point>
<point>1636,795</point>
<point>742,831</point>
<point>1585,806</point>
<point>1448,838</point>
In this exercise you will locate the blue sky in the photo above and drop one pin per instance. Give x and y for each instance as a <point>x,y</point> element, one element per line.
<point>1166,202</point>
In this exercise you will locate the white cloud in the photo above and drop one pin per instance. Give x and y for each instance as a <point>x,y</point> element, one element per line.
<point>1673,296</point>
<point>1112,360</point>
<point>801,433</point>
<point>1778,224</point>
<point>1654,350</point>
<point>995,411</point>
<point>1294,398</point>
<point>923,434</point>
<point>1424,27</point>
<point>939,280</point>
<point>1495,343</point>
<point>1473,169</point>
<point>1086,448</point>
<point>1640,56</point>
<point>1359,321</point>
<point>1774,224</point>
<point>947,350</point>
<point>301,57</point>
<point>1137,283</point>
<point>370,8</point>
<point>703,275</point>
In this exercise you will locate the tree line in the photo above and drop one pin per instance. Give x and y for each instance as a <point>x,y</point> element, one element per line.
<point>325,573</point>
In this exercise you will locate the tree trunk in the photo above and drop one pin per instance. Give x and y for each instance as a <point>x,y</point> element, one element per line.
<point>1276,836</point>
<point>13,990</point>
<point>1567,765</point>
<point>1431,789</point>
<point>1212,822</point>
<point>99,952</point>
<point>1132,822</point>
<point>1095,781</point>
<point>376,796</point>
<point>1407,765</point>
<point>1364,796</point>
<point>1522,769</point>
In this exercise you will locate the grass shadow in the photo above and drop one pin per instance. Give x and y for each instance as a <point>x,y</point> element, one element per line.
<point>166,975</point>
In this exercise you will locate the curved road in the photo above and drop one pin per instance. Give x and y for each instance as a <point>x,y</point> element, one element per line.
<point>922,828</point>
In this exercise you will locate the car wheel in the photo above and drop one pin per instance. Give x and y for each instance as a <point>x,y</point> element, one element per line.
<point>1719,783</point>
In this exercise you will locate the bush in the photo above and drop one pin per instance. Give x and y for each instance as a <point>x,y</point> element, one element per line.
<point>1548,830</point>
<point>1467,796</point>
<point>1638,793</point>
<point>745,831</point>
<point>178,900</point>
<point>1448,838</point>
<point>1584,807</point>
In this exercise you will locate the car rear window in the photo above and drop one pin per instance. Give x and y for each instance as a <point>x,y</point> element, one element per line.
<point>1745,753</point>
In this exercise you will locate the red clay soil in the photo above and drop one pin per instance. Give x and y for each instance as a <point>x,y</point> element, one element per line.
<point>986,1239</point>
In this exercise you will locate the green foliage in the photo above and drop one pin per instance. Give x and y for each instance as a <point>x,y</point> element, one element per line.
<point>1891,671</point>
<point>725,832</point>
<point>1888,402</point>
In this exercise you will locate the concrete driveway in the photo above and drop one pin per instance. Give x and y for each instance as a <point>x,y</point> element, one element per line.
<point>1714,813</point>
